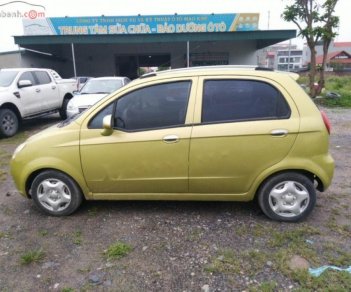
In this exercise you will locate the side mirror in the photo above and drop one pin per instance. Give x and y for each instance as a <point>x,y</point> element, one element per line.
<point>107,126</point>
<point>24,83</point>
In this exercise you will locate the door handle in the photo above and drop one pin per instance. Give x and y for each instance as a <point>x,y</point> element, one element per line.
<point>37,90</point>
<point>279,133</point>
<point>53,87</point>
<point>171,139</point>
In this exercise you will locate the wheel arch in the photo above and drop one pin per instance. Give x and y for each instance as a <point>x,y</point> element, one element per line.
<point>34,174</point>
<point>14,108</point>
<point>68,96</point>
<point>311,176</point>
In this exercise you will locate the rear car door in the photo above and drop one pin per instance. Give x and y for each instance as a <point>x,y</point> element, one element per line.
<point>48,90</point>
<point>242,127</point>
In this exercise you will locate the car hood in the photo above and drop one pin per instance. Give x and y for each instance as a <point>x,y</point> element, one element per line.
<point>3,89</point>
<point>86,99</point>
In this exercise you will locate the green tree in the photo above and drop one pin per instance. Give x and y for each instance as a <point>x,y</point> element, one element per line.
<point>316,23</point>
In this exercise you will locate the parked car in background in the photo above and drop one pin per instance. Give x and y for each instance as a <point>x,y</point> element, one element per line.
<point>94,90</point>
<point>31,92</point>
<point>219,133</point>
<point>81,80</point>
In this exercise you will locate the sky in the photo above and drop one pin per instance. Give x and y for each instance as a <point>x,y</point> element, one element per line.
<point>270,13</point>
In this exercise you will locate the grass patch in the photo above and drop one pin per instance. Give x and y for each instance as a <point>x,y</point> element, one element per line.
<point>118,250</point>
<point>229,262</point>
<point>67,290</point>
<point>32,256</point>
<point>5,235</point>
<point>77,238</point>
<point>328,281</point>
<point>19,138</point>
<point>265,287</point>
<point>292,237</point>
<point>337,84</point>
<point>226,262</point>
<point>43,232</point>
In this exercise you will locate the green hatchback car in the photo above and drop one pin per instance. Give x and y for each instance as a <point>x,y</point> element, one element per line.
<point>206,133</point>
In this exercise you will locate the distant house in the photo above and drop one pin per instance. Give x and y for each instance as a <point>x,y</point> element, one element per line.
<point>336,61</point>
<point>339,53</point>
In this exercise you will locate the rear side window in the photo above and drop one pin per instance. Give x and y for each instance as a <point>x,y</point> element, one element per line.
<point>238,100</point>
<point>43,77</point>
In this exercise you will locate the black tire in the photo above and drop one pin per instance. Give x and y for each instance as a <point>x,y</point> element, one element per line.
<point>288,197</point>
<point>61,193</point>
<point>9,123</point>
<point>63,110</point>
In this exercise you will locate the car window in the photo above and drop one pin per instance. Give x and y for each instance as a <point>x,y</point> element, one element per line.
<point>157,106</point>
<point>43,77</point>
<point>100,86</point>
<point>7,77</point>
<point>233,100</point>
<point>96,122</point>
<point>28,76</point>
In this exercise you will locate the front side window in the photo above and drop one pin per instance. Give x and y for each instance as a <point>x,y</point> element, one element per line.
<point>96,122</point>
<point>238,100</point>
<point>157,106</point>
<point>28,76</point>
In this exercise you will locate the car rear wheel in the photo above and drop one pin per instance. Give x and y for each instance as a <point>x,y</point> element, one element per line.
<point>288,197</point>
<point>55,193</point>
<point>8,123</point>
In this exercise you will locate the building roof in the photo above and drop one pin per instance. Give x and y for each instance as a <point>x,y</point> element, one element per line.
<point>342,44</point>
<point>263,38</point>
<point>333,57</point>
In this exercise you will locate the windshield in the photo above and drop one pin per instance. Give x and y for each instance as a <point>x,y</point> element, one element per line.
<point>101,86</point>
<point>6,77</point>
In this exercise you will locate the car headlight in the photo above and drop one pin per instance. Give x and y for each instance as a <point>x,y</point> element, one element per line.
<point>18,149</point>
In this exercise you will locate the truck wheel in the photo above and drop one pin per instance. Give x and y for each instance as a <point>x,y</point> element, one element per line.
<point>55,193</point>
<point>63,110</point>
<point>8,123</point>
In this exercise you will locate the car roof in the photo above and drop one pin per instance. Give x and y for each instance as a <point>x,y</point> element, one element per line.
<point>220,70</point>
<point>109,78</point>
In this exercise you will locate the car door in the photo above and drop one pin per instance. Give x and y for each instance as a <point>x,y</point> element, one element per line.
<point>30,97</point>
<point>148,150</point>
<point>49,91</point>
<point>244,126</point>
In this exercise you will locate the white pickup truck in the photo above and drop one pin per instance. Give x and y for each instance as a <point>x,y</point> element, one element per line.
<point>31,92</point>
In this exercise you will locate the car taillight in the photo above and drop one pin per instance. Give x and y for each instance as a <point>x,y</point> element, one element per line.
<point>326,121</point>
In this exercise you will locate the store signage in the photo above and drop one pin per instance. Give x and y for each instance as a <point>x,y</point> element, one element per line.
<point>148,24</point>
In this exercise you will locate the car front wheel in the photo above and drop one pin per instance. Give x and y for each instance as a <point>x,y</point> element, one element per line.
<point>8,123</point>
<point>287,197</point>
<point>63,110</point>
<point>55,193</point>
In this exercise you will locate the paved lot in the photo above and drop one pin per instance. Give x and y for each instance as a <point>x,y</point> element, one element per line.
<point>171,246</point>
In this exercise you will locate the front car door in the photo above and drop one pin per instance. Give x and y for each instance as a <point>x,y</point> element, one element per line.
<point>148,150</point>
<point>244,126</point>
<point>29,96</point>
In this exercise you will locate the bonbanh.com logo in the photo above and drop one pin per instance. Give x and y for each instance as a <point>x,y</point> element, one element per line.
<point>21,9</point>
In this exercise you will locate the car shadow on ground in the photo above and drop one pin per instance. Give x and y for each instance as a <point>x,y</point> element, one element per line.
<point>245,209</point>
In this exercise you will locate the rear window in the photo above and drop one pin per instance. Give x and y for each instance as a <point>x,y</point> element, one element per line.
<point>238,100</point>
